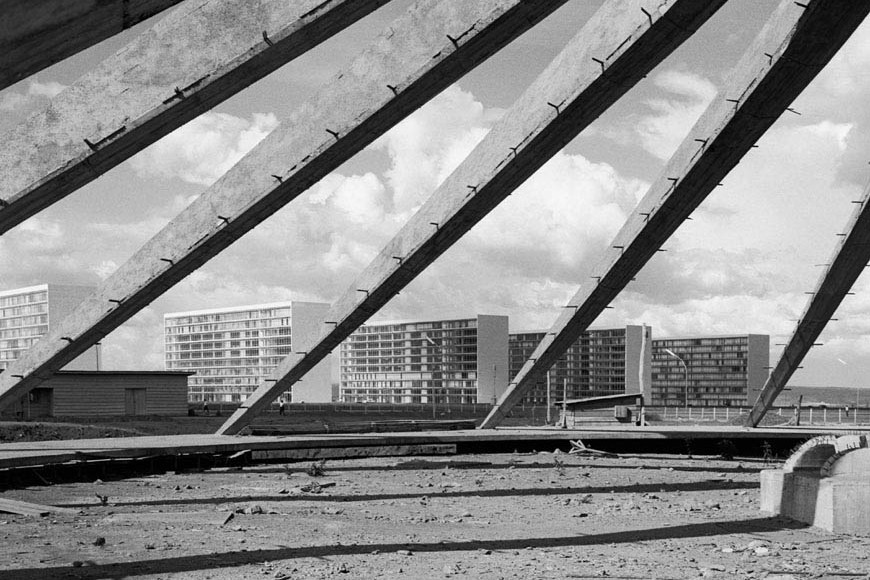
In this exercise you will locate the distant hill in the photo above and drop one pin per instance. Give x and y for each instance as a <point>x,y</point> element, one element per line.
<point>835,396</point>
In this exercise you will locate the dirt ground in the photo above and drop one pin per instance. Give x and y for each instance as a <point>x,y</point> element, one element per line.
<point>537,515</point>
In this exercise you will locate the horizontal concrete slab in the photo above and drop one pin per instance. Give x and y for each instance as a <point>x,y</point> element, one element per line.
<point>613,51</point>
<point>13,455</point>
<point>420,54</point>
<point>797,41</point>
<point>193,59</point>
<point>35,34</point>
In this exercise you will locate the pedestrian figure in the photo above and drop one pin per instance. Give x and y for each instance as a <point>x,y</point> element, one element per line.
<point>205,407</point>
<point>280,406</point>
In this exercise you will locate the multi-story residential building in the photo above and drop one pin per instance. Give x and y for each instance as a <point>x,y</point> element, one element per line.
<point>709,371</point>
<point>233,350</point>
<point>438,362</point>
<point>28,314</point>
<point>599,363</point>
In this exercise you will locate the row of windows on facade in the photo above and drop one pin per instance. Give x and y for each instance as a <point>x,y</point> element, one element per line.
<point>249,325</point>
<point>19,311</point>
<point>193,335</point>
<point>420,326</point>
<point>224,344</point>
<point>664,390</point>
<point>677,376</point>
<point>254,352</point>
<point>379,349</point>
<point>223,363</point>
<point>27,332</point>
<point>24,321</point>
<point>282,314</point>
<point>695,351</point>
<point>375,390</point>
<point>229,372</point>
<point>18,344</point>
<point>17,299</point>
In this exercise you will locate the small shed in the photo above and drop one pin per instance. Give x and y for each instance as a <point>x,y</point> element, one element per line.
<point>622,408</point>
<point>104,394</point>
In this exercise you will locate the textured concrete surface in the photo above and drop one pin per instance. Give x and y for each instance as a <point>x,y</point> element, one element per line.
<point>420,54</point>
<point>849,260</point>
<point>613,51</point>
<point>200,54</point>
<point>33,453</point>
<point>825,483</point>
<point>792,48</point>
<point>35,34</point>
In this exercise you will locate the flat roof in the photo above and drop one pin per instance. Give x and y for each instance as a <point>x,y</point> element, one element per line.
<point>587,330</point>
<point>25,290</point>
<point>228,309</point>
<point>126,373</point>
<point>396,322</point>
<point>703,336</point>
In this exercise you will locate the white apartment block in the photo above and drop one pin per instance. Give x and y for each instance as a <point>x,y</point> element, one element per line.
<point>432,362</point>
<point>233,350</point>
<point>28,314</point>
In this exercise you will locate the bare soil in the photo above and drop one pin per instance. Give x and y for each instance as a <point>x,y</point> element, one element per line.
<point>539,515</point>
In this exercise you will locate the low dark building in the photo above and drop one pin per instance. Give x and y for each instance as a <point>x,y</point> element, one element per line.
<point>105,393</point>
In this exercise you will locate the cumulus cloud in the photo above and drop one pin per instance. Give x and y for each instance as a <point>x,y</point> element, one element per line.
<point>671,116</point>
<point>36,92</point>
<point>426,147</point>
<point>204,149</point>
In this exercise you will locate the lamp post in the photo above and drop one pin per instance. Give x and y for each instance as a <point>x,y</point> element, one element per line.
<point>685,368</point>
<point>857,394</point>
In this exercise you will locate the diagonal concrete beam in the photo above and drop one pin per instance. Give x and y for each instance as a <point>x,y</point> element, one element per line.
<point>621,43</point>
<point>35,34</point>
<point>419,55</point>
<point>199,55</point>
<point>792,48</point>
<point>850,259</point>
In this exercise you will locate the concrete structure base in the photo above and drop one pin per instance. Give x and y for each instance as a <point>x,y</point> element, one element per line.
<point>829,490</point>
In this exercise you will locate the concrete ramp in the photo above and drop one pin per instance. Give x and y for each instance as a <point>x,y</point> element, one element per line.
<point>825,483</point>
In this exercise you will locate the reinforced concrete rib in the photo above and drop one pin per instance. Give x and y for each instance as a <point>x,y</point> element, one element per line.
<point>199,55</point>
<point>794,45</point>
<point>420,54</point>
<point>621,43</point>
<point>35,34</point>
<point>850,259</point>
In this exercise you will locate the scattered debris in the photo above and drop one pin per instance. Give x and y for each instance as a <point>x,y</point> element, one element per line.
<point>317,469</point>
<point>578,448</point>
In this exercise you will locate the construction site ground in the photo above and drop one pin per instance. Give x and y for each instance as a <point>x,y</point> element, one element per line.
<point>513,515</point>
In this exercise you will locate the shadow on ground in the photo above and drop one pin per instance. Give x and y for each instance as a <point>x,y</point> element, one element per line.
<point>436,491</point>
<point>222,560</point>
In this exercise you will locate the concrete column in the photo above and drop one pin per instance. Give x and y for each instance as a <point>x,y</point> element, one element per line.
<point>35,35</point>
<point>850,259</point>
<point>193,59</point>
<point>623,41</point>
<point>420,54</point>
<point>792,48</point>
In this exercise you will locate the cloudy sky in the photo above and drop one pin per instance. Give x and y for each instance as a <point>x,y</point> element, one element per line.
<point>741,265</point>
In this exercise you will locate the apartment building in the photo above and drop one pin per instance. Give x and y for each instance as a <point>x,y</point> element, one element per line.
<point>436,362</point>
<point>231,351</point>
<point>601,362</point>
<point>709,371</point>
<point>28,314</point>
